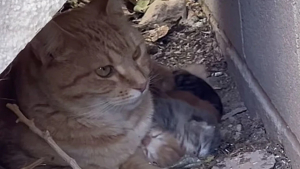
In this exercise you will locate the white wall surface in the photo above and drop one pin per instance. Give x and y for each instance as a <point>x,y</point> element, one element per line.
<point>19,22</point>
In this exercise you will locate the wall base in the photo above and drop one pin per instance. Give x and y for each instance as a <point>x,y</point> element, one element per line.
<point>255,98</point>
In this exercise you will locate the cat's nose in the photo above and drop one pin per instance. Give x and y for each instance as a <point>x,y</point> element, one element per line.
<point>141,87</point>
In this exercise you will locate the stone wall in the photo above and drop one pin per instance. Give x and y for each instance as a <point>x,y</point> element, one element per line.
<point>20,20</point>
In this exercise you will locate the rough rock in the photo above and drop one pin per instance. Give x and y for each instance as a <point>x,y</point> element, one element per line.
<point>164,11</point>
<point>259,159</point>
<point>20,21</point>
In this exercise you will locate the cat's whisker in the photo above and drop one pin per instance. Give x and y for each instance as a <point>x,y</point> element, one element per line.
<point>153,76</point>
<point>94,115</point>
<point>90,113</point>
<point>122,101</point>
<point>155,90</point>
<point>97,105</point>
<point>105,104</point>
<point>7,99</point>
<point>108,108</point>
<point>4,79</point>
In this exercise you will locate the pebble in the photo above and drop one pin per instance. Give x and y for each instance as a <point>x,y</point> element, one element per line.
<point>198,24</point>
<point>217,74</point>
<point>239,127</point>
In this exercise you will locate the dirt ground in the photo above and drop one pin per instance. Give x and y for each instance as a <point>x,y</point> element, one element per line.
<point>240,133</point>
<point>245,144</point>
<point>192,41</point>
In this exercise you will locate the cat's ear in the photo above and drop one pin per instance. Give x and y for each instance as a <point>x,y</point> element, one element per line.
<point>106,7</point>
<point>50,43</point>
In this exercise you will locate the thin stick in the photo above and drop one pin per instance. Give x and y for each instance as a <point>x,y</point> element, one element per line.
<point>45,135</point>
<point>34,164</point>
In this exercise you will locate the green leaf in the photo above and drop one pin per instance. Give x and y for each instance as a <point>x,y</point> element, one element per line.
<point>141,6</point>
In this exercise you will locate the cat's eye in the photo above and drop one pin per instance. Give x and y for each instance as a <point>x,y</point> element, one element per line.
<point>105,71</point>
<point>137,53</point>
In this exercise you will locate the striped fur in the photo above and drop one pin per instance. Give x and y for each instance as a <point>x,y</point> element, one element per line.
<point>98,121</point>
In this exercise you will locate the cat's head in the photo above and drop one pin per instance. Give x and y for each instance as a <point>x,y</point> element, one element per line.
<point>91,57</point>
<point>202,138</point>
<point>161,148</point>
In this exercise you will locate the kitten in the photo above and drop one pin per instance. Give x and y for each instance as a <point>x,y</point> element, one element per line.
<point>84,77</point>
<point>209,110</point>
<point>185,81</point>
<point>162,81</point>
<point>180,117</point>
<point>195,129</point>
<point>162,148</point>
<point>191,79</point>
<point>189,86</point>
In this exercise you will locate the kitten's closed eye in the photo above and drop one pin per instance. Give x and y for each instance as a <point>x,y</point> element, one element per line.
<point>105,71</point>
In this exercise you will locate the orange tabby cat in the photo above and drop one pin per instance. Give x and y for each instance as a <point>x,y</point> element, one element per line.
<point>84,77</point>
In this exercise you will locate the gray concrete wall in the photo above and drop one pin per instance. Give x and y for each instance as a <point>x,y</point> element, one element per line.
<point>265,35</point>
<point>20,21</point>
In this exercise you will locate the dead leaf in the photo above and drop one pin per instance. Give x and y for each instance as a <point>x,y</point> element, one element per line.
<point>157,33</point>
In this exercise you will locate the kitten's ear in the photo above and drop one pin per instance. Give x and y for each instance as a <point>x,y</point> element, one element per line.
<point>49,43</point>
<point>106,7</point>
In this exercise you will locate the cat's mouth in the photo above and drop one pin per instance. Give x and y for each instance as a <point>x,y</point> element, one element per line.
<point>133,99</point>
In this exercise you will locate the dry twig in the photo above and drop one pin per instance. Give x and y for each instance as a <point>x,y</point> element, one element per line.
<point>45,135</point>
<point>234,112</point>
<point>34,164</point>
